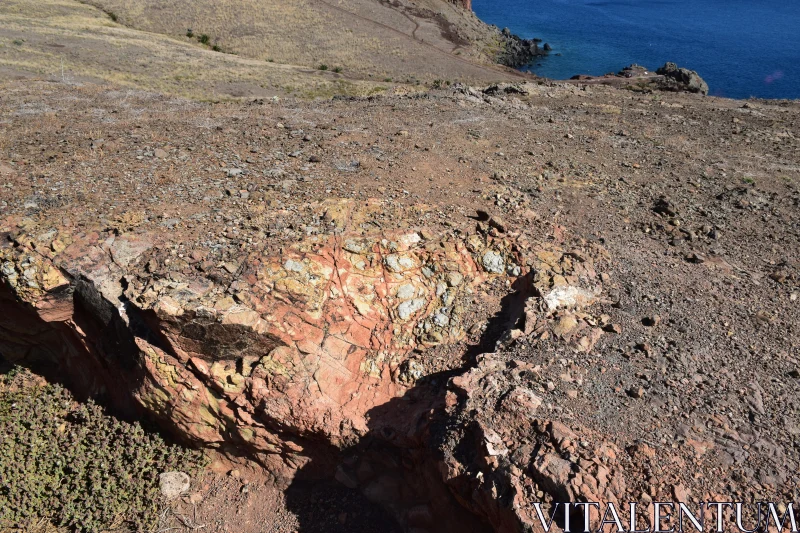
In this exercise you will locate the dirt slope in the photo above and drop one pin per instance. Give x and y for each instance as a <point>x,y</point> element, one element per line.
<point>71,42</point>
<point>405,41</point>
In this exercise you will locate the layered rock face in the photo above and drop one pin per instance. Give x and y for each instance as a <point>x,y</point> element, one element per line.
<point>285,358</point>
<point>305,341</point>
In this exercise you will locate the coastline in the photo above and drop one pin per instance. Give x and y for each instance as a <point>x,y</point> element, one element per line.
<point>517,51</point>
<point>599,39</point>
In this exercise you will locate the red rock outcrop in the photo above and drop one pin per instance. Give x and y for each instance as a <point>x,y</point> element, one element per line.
<point>286,355</point>
<point>287,351</point>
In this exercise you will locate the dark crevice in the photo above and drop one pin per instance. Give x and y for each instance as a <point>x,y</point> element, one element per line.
<point>397,464</point>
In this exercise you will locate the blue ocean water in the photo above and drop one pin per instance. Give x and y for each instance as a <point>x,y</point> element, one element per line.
<point>742,48</point>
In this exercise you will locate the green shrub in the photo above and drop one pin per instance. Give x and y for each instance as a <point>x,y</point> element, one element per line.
<point>189,33</point>
<point>204,39</point>
<point>71,465</point>
<point>323,67</point>
<point>337,69</point>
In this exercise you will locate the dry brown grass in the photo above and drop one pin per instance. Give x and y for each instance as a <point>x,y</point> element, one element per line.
<point>366,38</point>
<point>68,41</point>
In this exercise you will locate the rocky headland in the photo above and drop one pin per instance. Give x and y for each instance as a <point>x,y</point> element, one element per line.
<point>669,77</point>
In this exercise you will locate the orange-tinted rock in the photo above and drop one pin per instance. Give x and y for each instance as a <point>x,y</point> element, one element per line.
<point>300,344</point>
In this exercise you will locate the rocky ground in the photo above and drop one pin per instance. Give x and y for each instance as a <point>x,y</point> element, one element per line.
<point>476,298</point>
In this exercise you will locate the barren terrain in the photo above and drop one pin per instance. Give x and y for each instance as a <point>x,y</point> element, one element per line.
<point>411,291</point>
<point>687,208</point>
<point>263,48</point>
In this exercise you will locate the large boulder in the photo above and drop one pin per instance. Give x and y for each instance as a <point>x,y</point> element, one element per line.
<point>682,79</point>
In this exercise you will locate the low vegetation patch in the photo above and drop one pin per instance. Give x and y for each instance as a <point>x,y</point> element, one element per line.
<point>71,466</point>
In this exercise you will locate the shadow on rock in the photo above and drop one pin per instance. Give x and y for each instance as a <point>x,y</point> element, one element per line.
<point>393,479</point>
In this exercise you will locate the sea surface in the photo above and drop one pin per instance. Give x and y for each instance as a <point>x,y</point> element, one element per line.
<point>742,48</point>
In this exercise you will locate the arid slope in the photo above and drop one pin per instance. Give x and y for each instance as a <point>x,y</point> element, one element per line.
<point>684,208</point>
<point>398,39</point>
<point>263,48</point>
<point>71,42</point>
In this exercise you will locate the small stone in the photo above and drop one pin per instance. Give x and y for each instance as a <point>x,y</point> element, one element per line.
<point>522,399</point>
<point>635,392</point>
<point>406,292</point>
<point>613,328</point>
<point>644,347</point>
<point>397,263</point>
<point>345,478</point>
<point>409,307</point>
<point>441,320</point>
<point>454,279</point>
<point>565,325</point>
<point>173,484</point>
<point>651,321</point>
<point>493,262</point>
<point>293,266</point>
<point>159,153</point>
<point>795,373</point>
<point>498,223</point>
<point>680,493</point>
<point>57,246</point>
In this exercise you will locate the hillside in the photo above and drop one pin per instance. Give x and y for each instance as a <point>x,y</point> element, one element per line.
<point>414,291</point>
<point>398,39</point>
<point>278,51</point>
<point>635,263</point>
